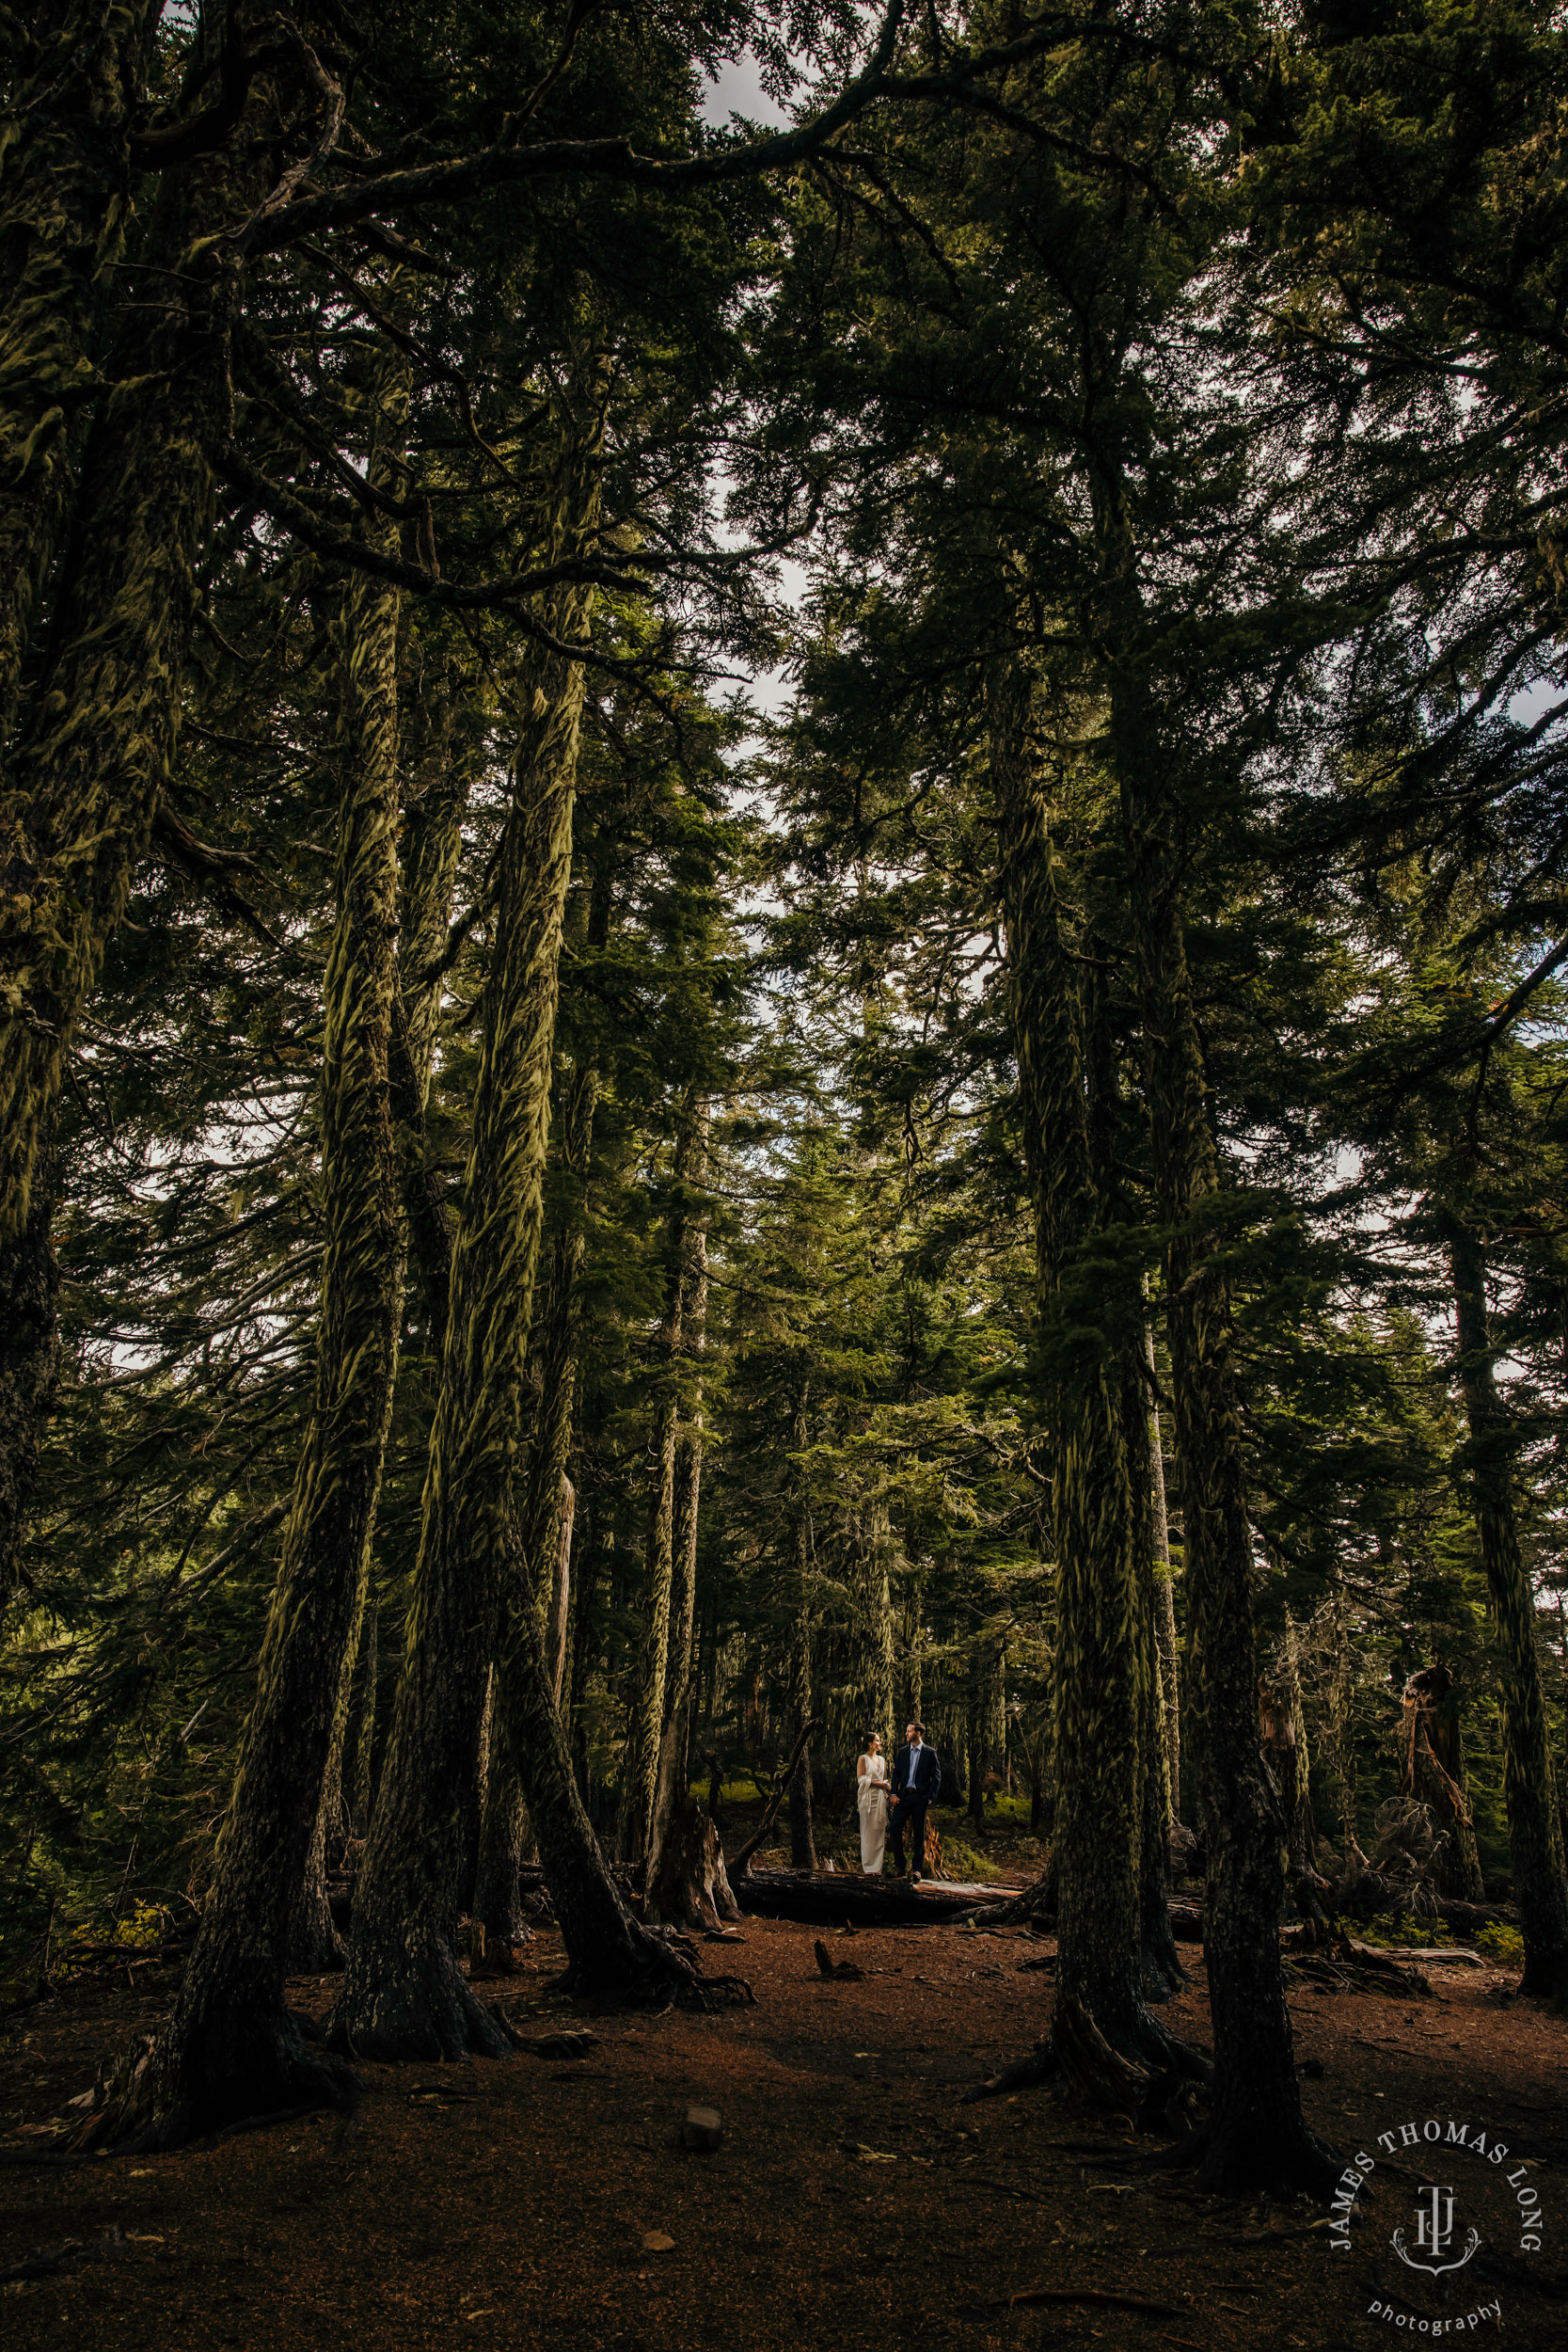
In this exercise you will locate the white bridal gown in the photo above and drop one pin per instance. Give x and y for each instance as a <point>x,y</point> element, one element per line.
<point>871,1790</point>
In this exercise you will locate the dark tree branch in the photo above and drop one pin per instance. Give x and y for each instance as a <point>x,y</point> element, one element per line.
<point>739,1868</point>
<point>178,142</point>
<point>455,178</point>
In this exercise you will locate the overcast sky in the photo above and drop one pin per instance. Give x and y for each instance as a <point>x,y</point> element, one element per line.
<point>738,91</point>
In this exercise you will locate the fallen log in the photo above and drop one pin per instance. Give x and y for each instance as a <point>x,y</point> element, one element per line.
<point>830,1898</point>
<point>1443,1955</point>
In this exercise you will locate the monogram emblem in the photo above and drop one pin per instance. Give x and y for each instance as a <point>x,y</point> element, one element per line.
<point>1434,2235</point>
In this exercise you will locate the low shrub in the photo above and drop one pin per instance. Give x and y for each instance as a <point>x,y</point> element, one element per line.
<point>1397,1931</point>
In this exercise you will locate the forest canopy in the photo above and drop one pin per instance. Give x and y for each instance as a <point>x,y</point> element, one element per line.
<point>785,914</point>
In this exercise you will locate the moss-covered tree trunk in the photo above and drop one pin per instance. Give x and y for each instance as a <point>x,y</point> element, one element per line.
<point>1161,1972</point>
<point>403,1992</point>
<point>1432,1771</point>
<point>544,1519</point>
<point>1256,2136</point>
<point>647,1717</point>
<point>361,1785</point>
<point>83,784</point>
<point>607,1951</point>
<point>914,1653</point>
<point>372,705</point>
<point>1342,1730</point>
<point>1101,2032</point>
<point>65,204</point>
<point>438,772</point>
<point>83,768</point>
<point>29,1354</point>
<point>1165,1602</point>
<point>595,1542</point>
<point>1301,1841</point>
<point>229,2048</point>
<point>1535,1847</point>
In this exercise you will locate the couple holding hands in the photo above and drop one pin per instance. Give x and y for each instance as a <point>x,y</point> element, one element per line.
<point>916,1778</point>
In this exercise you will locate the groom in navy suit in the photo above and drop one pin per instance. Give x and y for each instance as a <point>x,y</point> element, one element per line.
<point>916,1778</point>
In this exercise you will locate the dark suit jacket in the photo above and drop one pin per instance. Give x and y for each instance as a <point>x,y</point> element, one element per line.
<point>927,1774</point>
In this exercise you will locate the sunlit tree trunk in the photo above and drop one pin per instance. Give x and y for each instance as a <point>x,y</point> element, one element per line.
<point>1300,1830</point>
<point>648,1713</point>
<point>673,1780</point>
<point>1540,1887</point>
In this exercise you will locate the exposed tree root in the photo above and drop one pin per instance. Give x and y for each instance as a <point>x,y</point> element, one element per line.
<point>416,2004</point>
<point>1235,2161</point>
<point>235,2068</point>
<point>1115,2064</point>
<point>1036,1907</point>
<point>1042,2065</point>
<point>1142,2079</point>
<point>1090,2064</point>
<point>655,1972</point>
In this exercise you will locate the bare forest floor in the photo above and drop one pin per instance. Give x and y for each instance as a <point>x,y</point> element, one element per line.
<point>547,2202</point>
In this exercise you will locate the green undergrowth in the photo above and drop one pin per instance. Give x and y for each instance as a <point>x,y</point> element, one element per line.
<point>963,1862</point>
<point>1397,1931</point>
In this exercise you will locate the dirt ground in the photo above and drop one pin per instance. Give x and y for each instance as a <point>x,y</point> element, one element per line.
<point>854,2200</point>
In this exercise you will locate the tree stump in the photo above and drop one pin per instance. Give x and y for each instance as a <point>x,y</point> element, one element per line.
<point>690,1887</point>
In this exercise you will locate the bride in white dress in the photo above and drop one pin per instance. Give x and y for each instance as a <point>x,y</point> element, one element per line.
<point>871,1795</point>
